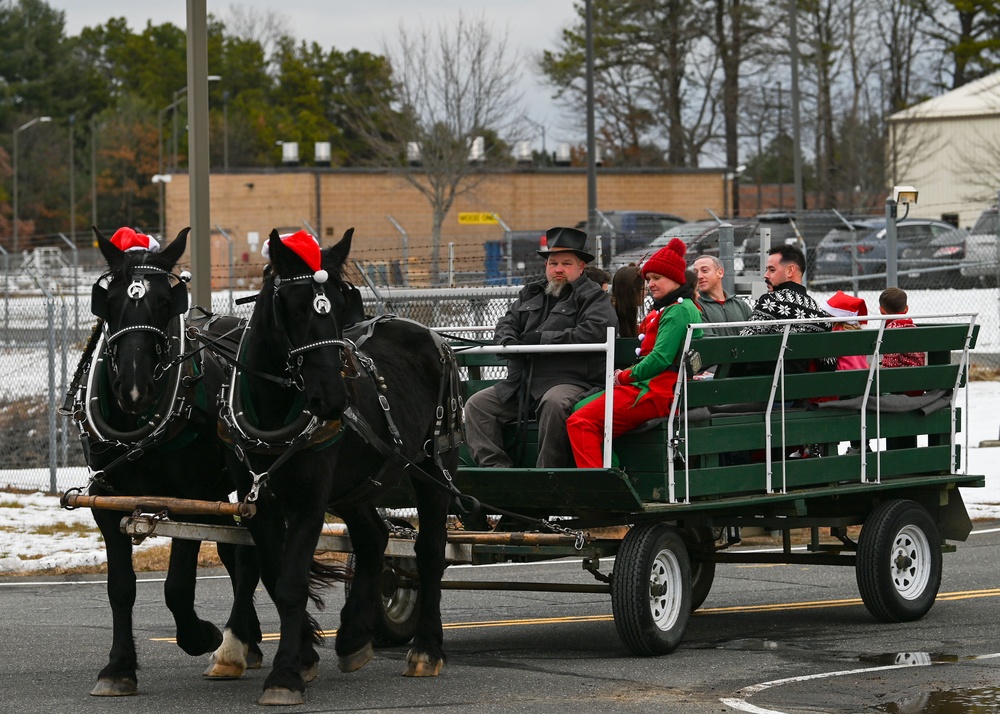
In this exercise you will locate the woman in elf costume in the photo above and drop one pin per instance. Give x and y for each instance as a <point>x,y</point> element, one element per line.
<point>645,390</point>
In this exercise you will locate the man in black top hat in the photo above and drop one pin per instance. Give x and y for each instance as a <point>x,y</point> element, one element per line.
<point>565,307</point>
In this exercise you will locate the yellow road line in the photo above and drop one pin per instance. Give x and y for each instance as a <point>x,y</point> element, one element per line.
<point>738,609</point>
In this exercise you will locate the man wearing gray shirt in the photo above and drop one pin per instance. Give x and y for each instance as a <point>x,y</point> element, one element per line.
<point>713,302</point>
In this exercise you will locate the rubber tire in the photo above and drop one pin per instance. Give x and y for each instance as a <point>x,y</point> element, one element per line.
<point>651,554</point>
<point>702,571</point>
<point>899,561</point>
<point>398,607</point>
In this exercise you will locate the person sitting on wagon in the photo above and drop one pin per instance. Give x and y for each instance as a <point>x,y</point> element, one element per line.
<point>893,301</point>
<point>628,293</point>
<point>565,307</point>
<point>787,299</point>
<point>840,304</point>
<point>714,303</point>
<point>645,390</point>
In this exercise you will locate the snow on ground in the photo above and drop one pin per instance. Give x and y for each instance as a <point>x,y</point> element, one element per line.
<point>34,527</point>
<point>36,534</point>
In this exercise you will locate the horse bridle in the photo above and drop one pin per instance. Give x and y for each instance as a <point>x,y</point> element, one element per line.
<point>136,292</point>
<point>322,307</point>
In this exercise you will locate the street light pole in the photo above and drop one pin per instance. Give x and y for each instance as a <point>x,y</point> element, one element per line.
<point>93,170</point>
<point>18,130</point>
<point>179,96</point>
<point>72,181</point>
<point>225,130</point>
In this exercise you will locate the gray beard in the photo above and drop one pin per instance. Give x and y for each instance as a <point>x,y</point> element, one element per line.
<point>554,288</point>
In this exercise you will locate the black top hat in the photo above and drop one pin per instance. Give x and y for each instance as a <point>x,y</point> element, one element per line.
<point>560,239</point>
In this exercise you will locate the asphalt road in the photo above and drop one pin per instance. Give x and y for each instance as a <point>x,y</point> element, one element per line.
<point>776,638</point>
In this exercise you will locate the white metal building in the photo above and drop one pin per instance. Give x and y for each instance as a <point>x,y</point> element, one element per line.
<point>949,149</point>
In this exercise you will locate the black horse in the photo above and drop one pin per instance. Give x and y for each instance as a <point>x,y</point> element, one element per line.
<point>326,424</point>
<point>148,415</point>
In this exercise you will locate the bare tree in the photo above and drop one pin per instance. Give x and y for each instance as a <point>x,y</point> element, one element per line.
<point>264,27</point>
<point>900,23</point>
<point>451,86</point>
<point>740,26</point>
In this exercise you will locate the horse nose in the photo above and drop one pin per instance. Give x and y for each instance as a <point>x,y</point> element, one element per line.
<point>132,397</point>
<point>328,401</point>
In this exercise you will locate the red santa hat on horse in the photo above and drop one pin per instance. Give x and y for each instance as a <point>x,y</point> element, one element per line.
<point>306,247</point>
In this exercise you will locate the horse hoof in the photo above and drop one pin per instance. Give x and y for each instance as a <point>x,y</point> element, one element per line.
<point>276,696</point>
<point>421,665</point>
<point>310,673</point>
<point>115,688</point>
<point>355,661</point>
<point>224,670</point>
<point>229,660</point>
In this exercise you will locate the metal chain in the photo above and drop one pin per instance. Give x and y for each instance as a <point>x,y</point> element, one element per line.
<point>581,537</point>
<point>400,531</point>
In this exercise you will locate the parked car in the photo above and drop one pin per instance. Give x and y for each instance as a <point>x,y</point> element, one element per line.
<point>936,263</point>
<point>982,249</point>
<point>806,231</point>
<point>701,238</point>
<point>629,230</point>
<point>524,261</point>
<point>834,253</point>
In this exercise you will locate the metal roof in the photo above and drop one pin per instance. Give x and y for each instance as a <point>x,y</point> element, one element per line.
<point>978,98</point>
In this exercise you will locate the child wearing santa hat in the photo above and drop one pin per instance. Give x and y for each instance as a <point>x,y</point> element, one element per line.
<point>843,305</point>
<point>645,390</point>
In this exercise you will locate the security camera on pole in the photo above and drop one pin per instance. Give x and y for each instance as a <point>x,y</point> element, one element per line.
<point>900,194</point>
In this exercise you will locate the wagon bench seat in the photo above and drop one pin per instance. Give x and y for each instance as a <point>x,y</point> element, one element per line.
<point>723,432</point>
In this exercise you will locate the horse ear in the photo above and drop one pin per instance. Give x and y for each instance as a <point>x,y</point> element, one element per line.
<point>339,252</point>
<point>173,252</point>
<point>274,239</point>
<point>112,253</point>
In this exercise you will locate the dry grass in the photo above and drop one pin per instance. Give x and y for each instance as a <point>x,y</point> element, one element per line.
<point>983,373</point>
<point>62,528</point>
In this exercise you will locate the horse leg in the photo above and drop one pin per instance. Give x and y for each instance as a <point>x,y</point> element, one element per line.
<point>118,678</point>
<point>369,537</point>
<point>285,555</point>
<point>426,655</point>
<point>194,635</point>
<point>240,648</point>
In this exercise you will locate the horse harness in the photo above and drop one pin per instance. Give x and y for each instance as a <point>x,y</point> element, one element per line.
<point>308,431</point>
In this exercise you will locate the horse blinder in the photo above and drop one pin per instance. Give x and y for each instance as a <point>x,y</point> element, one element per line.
<point>99,301</point>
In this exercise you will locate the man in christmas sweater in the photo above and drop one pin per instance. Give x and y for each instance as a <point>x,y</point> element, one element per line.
<point>787,299</point>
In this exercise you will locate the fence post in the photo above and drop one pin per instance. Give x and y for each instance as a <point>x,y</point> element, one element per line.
<point>50,311</point>
<point>63,388</point>
<point>404,240</point>
<point>76,283</point>
<point>6,293</point>
<point>229,244</point>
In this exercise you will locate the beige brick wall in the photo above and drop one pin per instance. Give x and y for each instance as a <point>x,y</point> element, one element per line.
<point>246,202</point>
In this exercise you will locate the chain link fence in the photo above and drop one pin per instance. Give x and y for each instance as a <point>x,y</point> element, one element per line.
<point>45,322</point>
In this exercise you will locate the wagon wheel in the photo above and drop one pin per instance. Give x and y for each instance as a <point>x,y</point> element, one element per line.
<point>899,561</point>
<point>651,589</point>
<point>398,605</point>
<point>701,541</point>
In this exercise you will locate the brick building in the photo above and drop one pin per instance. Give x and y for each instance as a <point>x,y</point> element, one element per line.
<point>332,200</point>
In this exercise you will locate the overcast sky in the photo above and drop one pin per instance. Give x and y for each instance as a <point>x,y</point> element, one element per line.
<point>533,25</point>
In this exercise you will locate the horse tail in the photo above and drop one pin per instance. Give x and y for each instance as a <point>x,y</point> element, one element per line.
<point>323,575</point>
